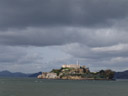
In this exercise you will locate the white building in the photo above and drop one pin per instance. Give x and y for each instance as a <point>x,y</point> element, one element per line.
<point>71,66</point>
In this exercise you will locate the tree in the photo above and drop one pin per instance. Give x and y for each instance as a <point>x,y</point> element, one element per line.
<point>109,73</point>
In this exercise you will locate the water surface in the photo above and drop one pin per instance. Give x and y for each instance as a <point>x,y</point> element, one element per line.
<point>38,87</point>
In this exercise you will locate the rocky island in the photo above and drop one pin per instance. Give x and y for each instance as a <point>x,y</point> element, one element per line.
<point>77,72</point>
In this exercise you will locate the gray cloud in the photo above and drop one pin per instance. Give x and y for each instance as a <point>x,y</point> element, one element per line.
<point>92,30</point>
<point>100,37</point>
<point>18,55</point>
<point>22,59</point>
<point>98,47</point>
<point>37,37</point>
<point>84,51</point>
<point>26,13</point>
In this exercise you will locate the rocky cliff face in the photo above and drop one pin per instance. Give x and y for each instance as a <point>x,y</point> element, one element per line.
<point>72,77</point>
<point>47,75</point>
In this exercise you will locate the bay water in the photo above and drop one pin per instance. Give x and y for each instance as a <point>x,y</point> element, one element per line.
<point>39,87</point>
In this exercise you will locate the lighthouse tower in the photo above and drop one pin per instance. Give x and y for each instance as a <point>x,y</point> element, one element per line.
<point>77,62</point>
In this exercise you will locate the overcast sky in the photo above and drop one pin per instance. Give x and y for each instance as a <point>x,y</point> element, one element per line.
<point>39,35</point>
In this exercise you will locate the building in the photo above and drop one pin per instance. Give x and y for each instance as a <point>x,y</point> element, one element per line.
<point>71,66</point>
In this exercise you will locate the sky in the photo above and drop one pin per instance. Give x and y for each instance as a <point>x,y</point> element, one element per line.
<point>39,35</point>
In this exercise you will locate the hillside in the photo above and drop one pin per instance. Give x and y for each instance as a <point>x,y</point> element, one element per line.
<point>121,75</point>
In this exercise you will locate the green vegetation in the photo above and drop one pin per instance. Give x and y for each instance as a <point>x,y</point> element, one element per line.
<point>57,71</point>
<point>83,73</point>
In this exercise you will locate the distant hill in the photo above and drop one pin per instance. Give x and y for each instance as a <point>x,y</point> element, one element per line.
<point>17,74</point>
<point>10,74</point>
<point>121,75</point>
<point>35,74</point>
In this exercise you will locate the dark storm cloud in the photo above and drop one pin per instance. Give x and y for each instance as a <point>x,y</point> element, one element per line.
<point>38,37</point>
<point>63,35</point>
<point>25,13</point>
<point>94,30</point>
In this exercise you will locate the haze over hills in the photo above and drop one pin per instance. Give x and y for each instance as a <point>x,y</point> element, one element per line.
<point>118,75</point>
<point>7,73</point>
<point>10,74</point>
<point>122,75</point>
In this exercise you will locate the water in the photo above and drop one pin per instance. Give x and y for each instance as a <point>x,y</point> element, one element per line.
<point>38,87</point>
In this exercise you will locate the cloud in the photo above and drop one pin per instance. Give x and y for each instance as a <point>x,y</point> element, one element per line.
<point>95,46</point>
<point>31,13</point>
<point>92,30</point>
<point>10,54</point>
<point>36,36</point>
<point>115,48</point>
<point>84,51</point>
<point>111,57</point>
<point>20,58</point>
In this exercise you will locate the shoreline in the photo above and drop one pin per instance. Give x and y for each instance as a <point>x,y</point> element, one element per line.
<point>81,79</point>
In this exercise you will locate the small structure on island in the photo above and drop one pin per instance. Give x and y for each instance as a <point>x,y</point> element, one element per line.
<point>72,65</point>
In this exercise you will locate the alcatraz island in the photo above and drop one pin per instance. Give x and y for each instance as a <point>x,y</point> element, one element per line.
<point>77,72</point>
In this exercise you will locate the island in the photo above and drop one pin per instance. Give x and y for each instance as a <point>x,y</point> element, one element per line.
<point>77,72</point>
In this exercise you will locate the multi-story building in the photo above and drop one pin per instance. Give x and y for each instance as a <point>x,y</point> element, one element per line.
<point>71,66</point>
